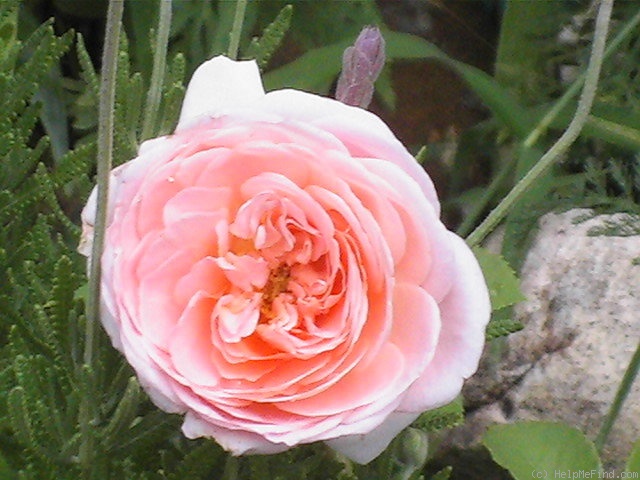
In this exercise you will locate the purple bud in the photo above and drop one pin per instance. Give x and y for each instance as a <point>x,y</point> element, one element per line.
<point>361,65</point>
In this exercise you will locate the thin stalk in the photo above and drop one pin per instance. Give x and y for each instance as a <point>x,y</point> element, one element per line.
<point>105,151</point>
<point>551,115</point>
<point>236,29</point>
<point>621,395</point>
<point>489,193</point>
<point>568,137</point>
<point>157,74</point>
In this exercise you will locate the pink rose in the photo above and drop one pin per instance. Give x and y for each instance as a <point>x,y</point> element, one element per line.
<point>277,271</point>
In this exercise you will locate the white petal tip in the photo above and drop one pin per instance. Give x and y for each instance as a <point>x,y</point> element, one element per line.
<point>218,85</point>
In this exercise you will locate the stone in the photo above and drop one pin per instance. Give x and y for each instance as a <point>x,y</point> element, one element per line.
<point>581,328</point>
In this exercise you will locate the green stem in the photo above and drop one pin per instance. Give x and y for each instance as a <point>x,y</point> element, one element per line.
<point>105,151</point>
<point>236,29</point>
<point>568,137</point>
<point>621,395</point>
<point>489,193</point>
<point>157,75</point>
<point>551,115</point>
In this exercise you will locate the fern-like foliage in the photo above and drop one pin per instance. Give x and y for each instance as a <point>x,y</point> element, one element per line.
<point>264,47</point>
<point>43,379</point>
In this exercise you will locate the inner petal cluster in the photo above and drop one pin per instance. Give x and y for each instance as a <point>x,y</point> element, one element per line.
<point>263,283</point>
<point>283,268</point>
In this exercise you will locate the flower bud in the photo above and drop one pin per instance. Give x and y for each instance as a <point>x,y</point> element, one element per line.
<point>361,65</point>
<point>413,449</point>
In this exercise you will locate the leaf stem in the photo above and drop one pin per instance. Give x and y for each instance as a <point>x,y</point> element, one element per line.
<point>157,74</point>
<point>621,395</point>
<point>487,196</point>
<point>568,137</point>
<point>236,29</point>
<point>105,152</point>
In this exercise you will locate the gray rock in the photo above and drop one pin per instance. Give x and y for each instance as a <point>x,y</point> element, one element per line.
<point>582,327</point>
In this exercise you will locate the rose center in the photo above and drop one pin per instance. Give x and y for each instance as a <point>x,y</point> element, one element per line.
<point>277,283</point>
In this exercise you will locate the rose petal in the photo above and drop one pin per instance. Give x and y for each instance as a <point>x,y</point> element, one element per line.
<point>366,383</point>
<point>365,447</point>
<point>217,85</point>
<point>465,314</point>
<point>190,344</point>
<point>238,442</point>
<point>362,132</point>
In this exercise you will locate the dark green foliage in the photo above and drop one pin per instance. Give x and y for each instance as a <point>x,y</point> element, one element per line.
<point>316,24</point>
<point>200,30</point>
<point>42,377</point>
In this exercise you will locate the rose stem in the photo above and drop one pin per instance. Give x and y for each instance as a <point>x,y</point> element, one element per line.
<point>105,152</point>
<point>621,395</point>
<point>532,138</point>
<point>236,29</point>
<point>157,74</point>
<point>568,137</point>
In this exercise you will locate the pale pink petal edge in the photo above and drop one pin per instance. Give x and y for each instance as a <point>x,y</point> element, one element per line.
<point>364,448</point>
<point>465,312</point>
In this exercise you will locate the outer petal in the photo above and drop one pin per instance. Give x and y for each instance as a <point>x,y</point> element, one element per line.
<point>217,85</point>
<point>238,442</point>
<point>465,312</point>
<point>364,448</point>
<point>362,132</point>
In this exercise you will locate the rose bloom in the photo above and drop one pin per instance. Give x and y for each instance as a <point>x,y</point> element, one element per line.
<point>277,270</point>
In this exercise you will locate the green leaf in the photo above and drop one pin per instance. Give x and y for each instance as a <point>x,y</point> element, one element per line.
<point>504,287</point>
<point>613,132</point>
<point>54,112</point>
<point>501,325</point>
<point>616,125</point>
<point>123,416</point>
<point>540,449</point>
<point>449,415</point>
<point>633,463</point>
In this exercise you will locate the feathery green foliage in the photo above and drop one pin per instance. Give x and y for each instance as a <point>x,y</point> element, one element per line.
<point>264,47</point>
<point>42,379</point>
